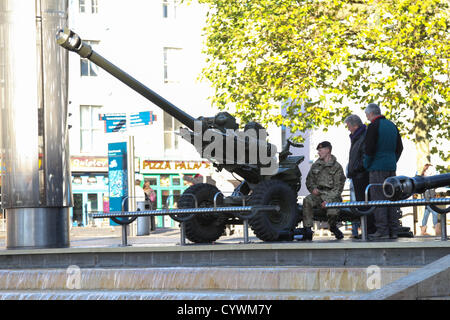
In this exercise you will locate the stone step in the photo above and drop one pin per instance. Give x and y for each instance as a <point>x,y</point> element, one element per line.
<point>173,295</point>
<point>278,279</point>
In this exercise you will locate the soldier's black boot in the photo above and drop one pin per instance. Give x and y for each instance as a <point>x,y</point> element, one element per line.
<point>303,234</point>
<point>337,233</point>
<point>308,234</point>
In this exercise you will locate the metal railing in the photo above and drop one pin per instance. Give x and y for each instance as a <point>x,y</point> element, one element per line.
<point>245,212</point>
<point>244,217</point>
<point>182,215</point>
<point>357,208</point>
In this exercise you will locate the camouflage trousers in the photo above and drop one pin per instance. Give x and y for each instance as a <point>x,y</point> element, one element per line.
<point>312,201</point>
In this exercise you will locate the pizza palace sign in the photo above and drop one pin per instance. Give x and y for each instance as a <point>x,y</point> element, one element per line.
<point>151,166</point>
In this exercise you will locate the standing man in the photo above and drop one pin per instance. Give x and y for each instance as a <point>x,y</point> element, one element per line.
<point>150,202</point>
<point>355,168</point>
<point>143,227</point>
<point>428,170</point>
<point>325,181</point>
<point>139,194</point>
<point>383,147</point>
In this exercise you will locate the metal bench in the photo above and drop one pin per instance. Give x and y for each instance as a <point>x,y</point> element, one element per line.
<point>357,208</point>
<point>124,218</point>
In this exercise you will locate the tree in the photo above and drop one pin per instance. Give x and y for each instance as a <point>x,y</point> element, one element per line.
<point>309,57</point>
<point>410,42</point>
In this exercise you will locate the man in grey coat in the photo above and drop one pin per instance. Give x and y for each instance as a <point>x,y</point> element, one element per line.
<point>355,168</point>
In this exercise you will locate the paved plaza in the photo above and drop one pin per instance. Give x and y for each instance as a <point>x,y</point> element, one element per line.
<point>112,237</point>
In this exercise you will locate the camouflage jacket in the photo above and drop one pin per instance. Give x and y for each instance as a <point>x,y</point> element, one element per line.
<point>328,177</point>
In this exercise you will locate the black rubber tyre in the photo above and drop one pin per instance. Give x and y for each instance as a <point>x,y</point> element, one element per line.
<point>267,225</point>
<point>202,228</point>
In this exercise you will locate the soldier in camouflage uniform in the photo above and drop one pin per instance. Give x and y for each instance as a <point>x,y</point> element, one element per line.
<point>325,181</point>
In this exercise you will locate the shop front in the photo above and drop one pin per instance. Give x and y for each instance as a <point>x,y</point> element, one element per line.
<point>169,179</point>
<point>89,189</point>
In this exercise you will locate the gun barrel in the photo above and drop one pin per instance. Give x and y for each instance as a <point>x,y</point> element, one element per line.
<point>72,42</point>
<point>401,187</point>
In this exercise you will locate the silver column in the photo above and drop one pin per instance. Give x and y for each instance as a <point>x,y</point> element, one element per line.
<point>36,187</point>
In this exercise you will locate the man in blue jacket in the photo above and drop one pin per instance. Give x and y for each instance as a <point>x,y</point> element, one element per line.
<point>383,147</point>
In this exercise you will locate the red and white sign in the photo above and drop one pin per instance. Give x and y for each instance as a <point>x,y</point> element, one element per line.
<point>89,163</point>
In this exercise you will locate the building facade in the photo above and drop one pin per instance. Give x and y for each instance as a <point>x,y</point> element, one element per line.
<point>159,43</point>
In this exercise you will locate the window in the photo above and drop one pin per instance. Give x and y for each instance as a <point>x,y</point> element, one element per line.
<point>84,4</point>
<point>153,180</point>
<point>93,201</point>
<point>77,218</point>
<point>94,6</point>
<point>172,65</point>
<point>171,140</point>
<point>169,9</point>
<point>91,135</point>
<point>176,181</point>
<point>88,68</point>
<point>77,180</point>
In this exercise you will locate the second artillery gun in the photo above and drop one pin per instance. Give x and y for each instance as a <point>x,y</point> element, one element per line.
<point>274,193</point>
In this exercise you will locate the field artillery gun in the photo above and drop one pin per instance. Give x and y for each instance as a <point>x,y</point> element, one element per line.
<point>269,184</point>
<point>401,187</point>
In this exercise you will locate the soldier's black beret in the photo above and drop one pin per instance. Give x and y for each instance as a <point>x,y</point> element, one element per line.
<point>324,144</point>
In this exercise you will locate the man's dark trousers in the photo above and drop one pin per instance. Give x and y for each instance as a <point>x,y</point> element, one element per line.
<point>359,185</point>
<point>386,218</point>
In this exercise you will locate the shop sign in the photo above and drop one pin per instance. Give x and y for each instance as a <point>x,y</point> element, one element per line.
<point>117,122</point>
<point>114,122</point>
<point>89,163</point>
<point>142,118</point>
<point>169,166</point>
<point>118,176</point>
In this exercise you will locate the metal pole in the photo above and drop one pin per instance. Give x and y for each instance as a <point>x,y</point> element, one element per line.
<point>246,231</point>
<point>182,223</point>
<point>443,227</point>
<point>124,235</point>
<point>36,188</point>
<point>131,182</point>
<point>182,234</point>
<point>124,226</point>
<point>215,198</point>
<point>364,235</point>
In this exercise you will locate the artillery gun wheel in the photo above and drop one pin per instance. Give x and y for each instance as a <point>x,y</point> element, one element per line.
<point>202,228</point>
<point>267,225</point>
